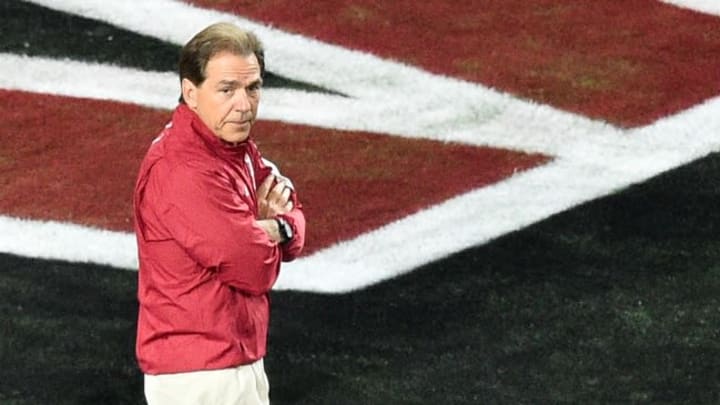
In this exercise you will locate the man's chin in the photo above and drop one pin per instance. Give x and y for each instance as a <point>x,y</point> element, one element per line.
<point>235,137</point>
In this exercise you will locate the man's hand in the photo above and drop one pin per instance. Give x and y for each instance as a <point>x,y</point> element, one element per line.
<point>272,199</point>
<point>270,227</point>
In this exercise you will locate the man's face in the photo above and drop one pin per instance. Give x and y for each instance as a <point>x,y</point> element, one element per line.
<point>227,101</point>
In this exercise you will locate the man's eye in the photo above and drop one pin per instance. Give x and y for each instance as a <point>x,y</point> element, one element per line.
<point>226,90</point>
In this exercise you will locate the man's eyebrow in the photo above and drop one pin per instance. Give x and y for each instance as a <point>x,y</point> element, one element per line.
<point>228,83</point>
<point>235,83</point>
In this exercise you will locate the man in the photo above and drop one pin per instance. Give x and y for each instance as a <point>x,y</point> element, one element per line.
<point>213,221</point>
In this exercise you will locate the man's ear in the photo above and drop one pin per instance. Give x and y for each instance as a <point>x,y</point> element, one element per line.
<point>189,93</point>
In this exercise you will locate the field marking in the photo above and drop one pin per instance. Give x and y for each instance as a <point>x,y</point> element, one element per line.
<point>54,240</point>
<point>383,93</point>
<point>592,159</point>
<point>703,6</point>
<point>478,117</point>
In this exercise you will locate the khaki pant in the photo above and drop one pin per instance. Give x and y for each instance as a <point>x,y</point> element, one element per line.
<point>243,385</point>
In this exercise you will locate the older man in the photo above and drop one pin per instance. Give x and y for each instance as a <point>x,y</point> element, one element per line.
<point>213,222</point>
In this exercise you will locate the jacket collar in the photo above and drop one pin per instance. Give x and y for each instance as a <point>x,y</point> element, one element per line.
<point>184,114</point>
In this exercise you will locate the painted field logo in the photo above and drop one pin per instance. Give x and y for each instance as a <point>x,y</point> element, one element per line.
<point>397,165</point>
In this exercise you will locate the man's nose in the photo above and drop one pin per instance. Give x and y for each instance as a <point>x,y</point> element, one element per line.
<point>242,101</point>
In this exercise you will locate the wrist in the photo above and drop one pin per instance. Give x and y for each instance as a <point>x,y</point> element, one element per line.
<point>285,230</point>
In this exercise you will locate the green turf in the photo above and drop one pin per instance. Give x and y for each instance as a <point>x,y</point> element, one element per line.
<point>612,302</point>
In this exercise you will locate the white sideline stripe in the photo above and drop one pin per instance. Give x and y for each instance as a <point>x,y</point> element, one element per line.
<point>88,80</point>
<point>703,6</point>
<point>66,241</point>
<point>592,158</point>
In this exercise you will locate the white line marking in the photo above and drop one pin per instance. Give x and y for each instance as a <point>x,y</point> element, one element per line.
<point>476,116</point>
<point>386,97</point>
<point>65,241</point>
<point>703,6</point>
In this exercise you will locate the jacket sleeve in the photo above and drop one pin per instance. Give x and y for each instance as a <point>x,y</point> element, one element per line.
<point>213,223</point>
<point>296,219</point>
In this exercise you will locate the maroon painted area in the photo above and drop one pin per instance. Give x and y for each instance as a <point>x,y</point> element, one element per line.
<point>75,160</point>
<point>72,159</point>
<point>353,182</point>
<point>626,61</point>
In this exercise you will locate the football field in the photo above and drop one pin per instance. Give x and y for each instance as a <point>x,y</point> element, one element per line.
<point>508,202</point>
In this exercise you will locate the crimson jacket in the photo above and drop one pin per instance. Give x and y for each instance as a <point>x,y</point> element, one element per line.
<point>206,267</point>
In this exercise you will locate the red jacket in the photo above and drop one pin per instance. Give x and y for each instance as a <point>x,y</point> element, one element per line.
<point>206,267</point>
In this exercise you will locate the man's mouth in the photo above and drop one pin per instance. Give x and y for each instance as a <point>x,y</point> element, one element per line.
<point>239,123</point>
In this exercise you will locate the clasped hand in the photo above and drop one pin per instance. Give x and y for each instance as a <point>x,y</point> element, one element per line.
<point>273,199</point>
